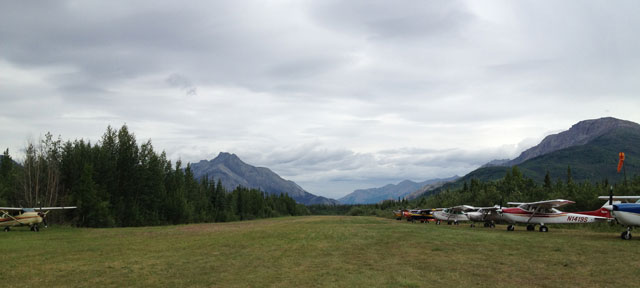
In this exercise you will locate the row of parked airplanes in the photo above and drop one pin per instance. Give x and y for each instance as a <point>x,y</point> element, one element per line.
<point>532,214</point>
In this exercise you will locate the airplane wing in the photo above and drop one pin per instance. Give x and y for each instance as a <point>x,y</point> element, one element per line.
<point>493,208</point>
<point>620,198</point>
<point>463,208</point>
<point>55,208</point>
<point>11,208</point>
<point>516,203</point>
<point>547,203</point>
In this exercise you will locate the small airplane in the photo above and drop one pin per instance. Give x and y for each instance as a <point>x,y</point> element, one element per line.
<point>422,215</point>
<point>542,212</point>
<point>32,217</point>
<point>453,215</point>
<point>488,215</point>
<point>627,214</point>
<point>399,214</point>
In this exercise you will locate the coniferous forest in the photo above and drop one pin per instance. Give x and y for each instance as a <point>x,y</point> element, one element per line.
<point>117,182</point>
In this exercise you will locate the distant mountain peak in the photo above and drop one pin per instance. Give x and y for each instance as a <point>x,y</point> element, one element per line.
<point>233,172</point>
<point>387,192</point>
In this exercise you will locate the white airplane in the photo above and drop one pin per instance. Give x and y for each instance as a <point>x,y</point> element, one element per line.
<point>488,215</point>
<point>453,214</point>
<point>542,212</point>
<point>627,214</point>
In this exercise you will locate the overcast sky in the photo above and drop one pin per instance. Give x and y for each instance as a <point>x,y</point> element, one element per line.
<point>335,95</point>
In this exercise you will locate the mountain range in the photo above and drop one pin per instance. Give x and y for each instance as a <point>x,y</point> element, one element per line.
<point>390,191</point>
<point>589,148</point>
<point>233,172</point>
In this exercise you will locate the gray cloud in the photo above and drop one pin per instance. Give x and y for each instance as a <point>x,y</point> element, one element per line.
<point>334,95</point>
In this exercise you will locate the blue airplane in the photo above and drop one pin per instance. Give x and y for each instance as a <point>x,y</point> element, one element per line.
<point>627,214</point>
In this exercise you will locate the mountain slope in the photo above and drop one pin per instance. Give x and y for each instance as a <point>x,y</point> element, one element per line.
<point>390,191</point>
<point>581,133</point>
<point>593,160</point>
<point>232,172</point>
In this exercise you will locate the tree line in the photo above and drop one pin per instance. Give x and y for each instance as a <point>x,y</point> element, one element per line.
<point>117,182</point>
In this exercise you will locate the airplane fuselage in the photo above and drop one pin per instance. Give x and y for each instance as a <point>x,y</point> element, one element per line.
<point>446,216</point>
<point>23,219</point>
<point>627,213</point>
<point>519,215</point>
<point>479,216</point>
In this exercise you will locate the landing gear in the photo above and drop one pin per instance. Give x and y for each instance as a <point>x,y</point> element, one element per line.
<point>455,222</point>
<point>626,235</point>
<point>438,222</point>
<point>473,225</point>
<point>486,224</point>
<point>531,227</point>
<point>492,225</point>
<point>448,222</point>
<point>544,228</point>
<point>35,228</point>
<point>511,228</point>
<point>7,229</point>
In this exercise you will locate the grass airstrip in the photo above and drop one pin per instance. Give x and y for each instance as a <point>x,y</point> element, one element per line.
<point>316,251</point>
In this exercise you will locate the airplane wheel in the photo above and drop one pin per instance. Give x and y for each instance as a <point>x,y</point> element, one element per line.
<point>544,229</point>
<point>626,235</point>
<point>511,228</point>
<point>473,225</point>
<point>438,222</point>
<point>486,224</point>
<point>531,227</point>
<point>491,225</point>
<point>6,229</point>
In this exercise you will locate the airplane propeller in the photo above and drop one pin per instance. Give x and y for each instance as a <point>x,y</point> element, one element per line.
<point>611,195</point>
<point>43,215</point>
<point>44,219</point>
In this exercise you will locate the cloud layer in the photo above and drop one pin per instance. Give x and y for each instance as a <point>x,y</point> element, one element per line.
<point>333,95</point>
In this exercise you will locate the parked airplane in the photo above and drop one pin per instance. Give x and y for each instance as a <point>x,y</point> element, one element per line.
<point>488,215</point>
<point>542,212</point>
<point>453,214</point>
<point>422,215</point>
<point>627,214</point>
<point>399,214</point>
<point>32,217</point>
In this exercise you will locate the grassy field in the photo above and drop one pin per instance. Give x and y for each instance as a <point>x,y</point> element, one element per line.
<point>316,251</point>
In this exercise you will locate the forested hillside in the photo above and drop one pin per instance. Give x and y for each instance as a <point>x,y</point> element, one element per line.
<point>117,182</point>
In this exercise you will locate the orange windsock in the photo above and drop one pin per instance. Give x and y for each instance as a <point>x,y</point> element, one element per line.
<point>621,162</point>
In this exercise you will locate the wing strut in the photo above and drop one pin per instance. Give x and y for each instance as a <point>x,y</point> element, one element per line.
<point>533,214</point>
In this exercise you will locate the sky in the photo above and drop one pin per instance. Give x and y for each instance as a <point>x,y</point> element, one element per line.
<point>334,95</point>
